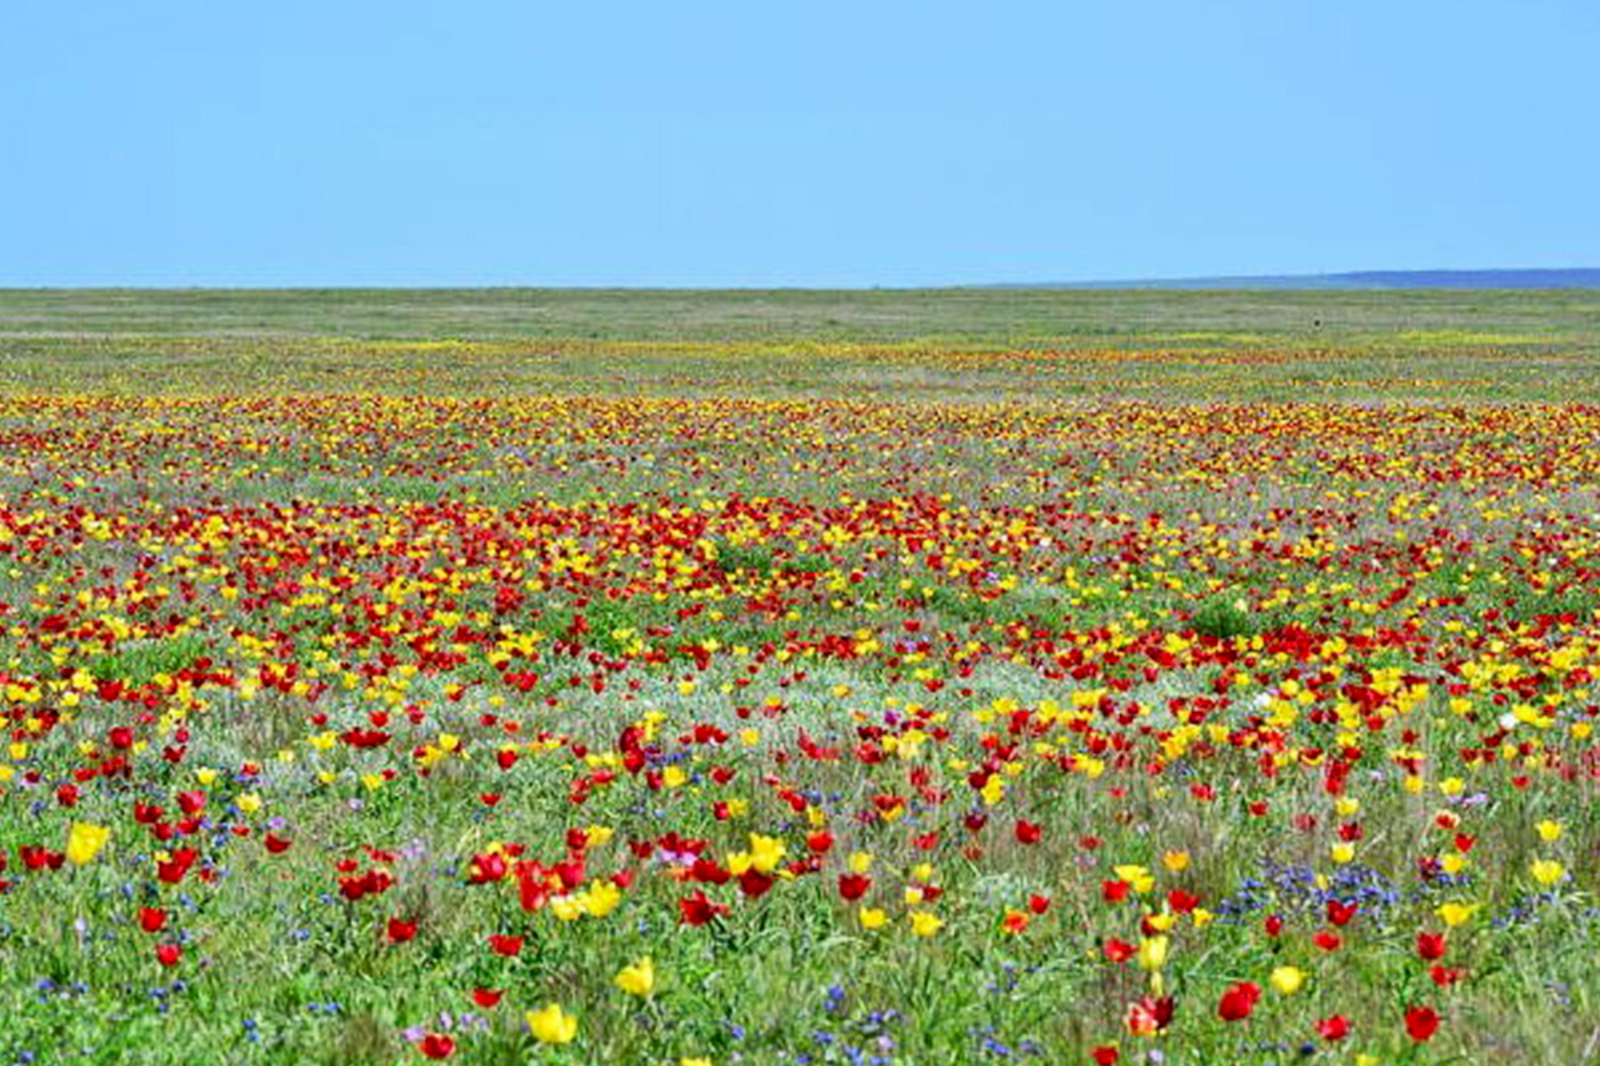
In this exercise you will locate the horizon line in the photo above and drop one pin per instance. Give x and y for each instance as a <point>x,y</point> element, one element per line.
<point>1375,278</point>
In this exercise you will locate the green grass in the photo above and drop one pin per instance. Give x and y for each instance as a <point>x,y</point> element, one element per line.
<point>1417,318</point>
<point>1220,346</point>
<point>141,663</point>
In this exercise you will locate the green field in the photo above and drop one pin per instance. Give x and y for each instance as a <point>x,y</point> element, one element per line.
<point>1000,315</point>
<point>1313,345</point>
<point>912,677</point>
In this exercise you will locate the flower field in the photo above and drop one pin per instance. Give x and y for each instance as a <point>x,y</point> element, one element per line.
<point>1208,701</point>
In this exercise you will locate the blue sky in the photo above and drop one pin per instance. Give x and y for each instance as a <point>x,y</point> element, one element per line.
<point>816,143</point>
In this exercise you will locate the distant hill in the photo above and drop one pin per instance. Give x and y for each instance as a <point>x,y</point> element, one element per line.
<point>1574,278</point>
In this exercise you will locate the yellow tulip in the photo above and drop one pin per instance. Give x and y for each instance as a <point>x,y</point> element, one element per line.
<point>765,852</point>
<point>552,1025</point>
<point>1153,952</point>
<point>638,979</point>
<point>1137,876</point>
<point>84,842</point>
<point>600,899</point>
<point>1453,914</point>
<point>1287,979</point>
<point>871,918</point>
<point>1547,871</point>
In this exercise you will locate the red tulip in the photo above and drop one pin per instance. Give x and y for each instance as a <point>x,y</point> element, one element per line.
<point>436,1046</point>
<point>1334,1029</point>
<point>1431,946</point>
<point>509,946</point>
<point>1119,950</point>
<point>698,910</point>
<point>1422,1023</point>
<point>1239,1001</point>
<point>853,886</point>
<point>1341,913</point>
<point>1150,1015</point>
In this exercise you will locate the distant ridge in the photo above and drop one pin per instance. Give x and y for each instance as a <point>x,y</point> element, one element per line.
<point>1573,278</point>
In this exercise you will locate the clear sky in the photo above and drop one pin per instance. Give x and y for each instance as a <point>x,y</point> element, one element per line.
<point>340,142</point>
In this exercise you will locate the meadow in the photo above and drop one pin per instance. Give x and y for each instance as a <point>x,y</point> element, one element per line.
<point>876,677</point>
